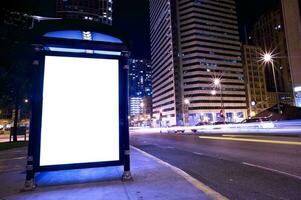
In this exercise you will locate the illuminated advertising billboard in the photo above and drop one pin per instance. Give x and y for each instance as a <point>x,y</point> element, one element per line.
<point>80,111</point>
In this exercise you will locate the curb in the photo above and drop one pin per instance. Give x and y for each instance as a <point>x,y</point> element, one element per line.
<point>196,183</point>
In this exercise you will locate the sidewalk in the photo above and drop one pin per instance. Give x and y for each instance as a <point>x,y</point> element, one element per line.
<point>152,181</point>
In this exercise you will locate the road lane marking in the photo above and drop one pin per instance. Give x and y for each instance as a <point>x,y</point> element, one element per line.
<point>196,183</point>
<point>272,170</point>
<point>169,147</point>
<point>249,136</point>
<point>250,140</point>
<point>244,135</point>
<point>197,153</point>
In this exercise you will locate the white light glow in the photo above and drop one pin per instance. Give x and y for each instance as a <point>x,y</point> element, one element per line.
<point>80,114</point>
<point>216,81</point>
<point>267,57</point>
<point>186,101</point>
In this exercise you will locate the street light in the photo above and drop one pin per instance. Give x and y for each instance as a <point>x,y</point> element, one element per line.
<point>186,101</point>
<point>217,83</point>
<point>268,58</point>
<point>253,103</point>
<point>186,111</point>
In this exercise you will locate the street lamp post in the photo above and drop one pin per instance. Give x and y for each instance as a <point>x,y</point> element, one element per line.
<point>186,111</point>
<point>268,58</point>
<point>217,83</point>
<point>160,118</point>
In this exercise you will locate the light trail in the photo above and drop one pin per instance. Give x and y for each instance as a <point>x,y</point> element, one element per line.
<point>251,140</point>
<point>281,127</point>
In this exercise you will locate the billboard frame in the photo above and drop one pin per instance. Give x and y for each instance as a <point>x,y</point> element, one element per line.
<point>33,159</point>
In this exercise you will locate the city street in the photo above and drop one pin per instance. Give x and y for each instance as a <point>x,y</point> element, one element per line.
<point>237,166</point>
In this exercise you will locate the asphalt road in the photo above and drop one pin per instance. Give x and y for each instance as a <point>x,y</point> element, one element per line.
<point>239,167</point>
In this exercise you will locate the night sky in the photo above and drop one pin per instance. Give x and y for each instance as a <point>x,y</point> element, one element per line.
<point>132,17</point>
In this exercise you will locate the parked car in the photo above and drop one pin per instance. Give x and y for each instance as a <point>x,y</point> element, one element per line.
<point>260,122</point>
<point>199,124</point>
<point>175,129</point>
<point>219,123</point>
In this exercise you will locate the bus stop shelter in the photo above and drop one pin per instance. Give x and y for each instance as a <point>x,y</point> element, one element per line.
<point>79,103</point>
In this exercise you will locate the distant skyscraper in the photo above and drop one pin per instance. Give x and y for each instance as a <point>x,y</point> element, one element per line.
<point>255,80</point>
<point>140,86</point>
<point>136,106</point>
<point>92,10</point>
<point>193,42</point>
<point>140,82</point>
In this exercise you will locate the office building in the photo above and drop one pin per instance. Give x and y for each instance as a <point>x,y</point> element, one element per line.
<point>255,80</point>
<point>192,43</point>
<point>136,106</point>
<point>292,25</point>
<point>91,10</point>
<point>270,34</point>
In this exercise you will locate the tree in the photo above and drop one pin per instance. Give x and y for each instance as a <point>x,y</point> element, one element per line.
<point>15,70</point>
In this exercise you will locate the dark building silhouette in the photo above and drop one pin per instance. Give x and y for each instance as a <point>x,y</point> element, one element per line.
<point>92,10</point>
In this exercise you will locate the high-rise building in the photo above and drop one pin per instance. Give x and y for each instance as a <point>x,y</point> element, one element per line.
<point>140,82</point>
<point>292,24</point>
<point>92,10</point>
<point>255,80</point>
<point>136,106</point>
<point>192,43</point>
<point>140,87</point>
<point>270,34</point>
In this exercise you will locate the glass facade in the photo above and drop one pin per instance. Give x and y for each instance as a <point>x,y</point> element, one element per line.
<point>140,87</point>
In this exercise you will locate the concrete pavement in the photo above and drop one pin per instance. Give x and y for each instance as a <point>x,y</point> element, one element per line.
<point>152,180</point>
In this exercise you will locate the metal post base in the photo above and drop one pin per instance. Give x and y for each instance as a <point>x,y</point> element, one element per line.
<point>127,176</point>
<point>29,185</point>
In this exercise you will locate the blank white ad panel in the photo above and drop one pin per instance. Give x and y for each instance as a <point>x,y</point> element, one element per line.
<point>80,113</point>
